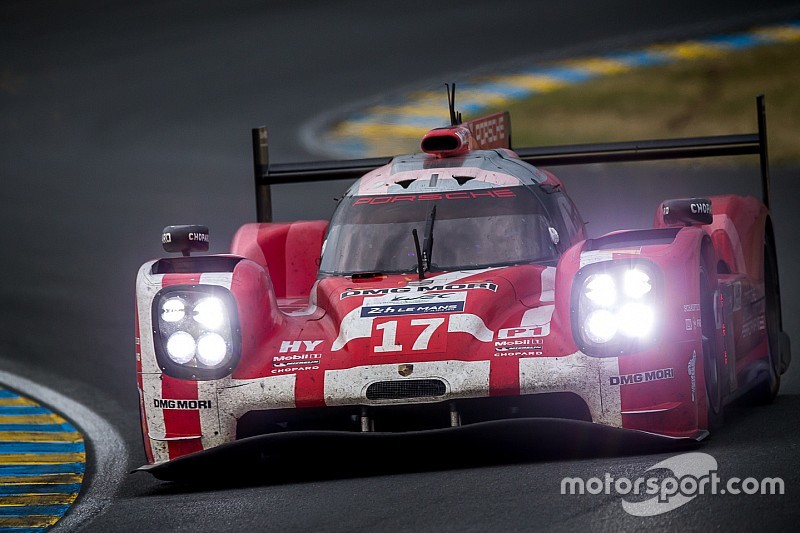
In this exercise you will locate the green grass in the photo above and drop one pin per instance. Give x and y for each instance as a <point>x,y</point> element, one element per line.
<point>709,96</point>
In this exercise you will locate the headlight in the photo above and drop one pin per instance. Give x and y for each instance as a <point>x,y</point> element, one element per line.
<point>173,310</point>
<point>210,313</point>
<point>636,320</point>
<point>196,331</point>
<point>614,307</point>
<point>211,349</point>
<point>601,326</point>
<point>181,347</point>
<point>601,290</point>
<point>636,283</point>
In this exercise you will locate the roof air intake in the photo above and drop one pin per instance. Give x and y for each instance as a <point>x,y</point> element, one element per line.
<point>445,142</point>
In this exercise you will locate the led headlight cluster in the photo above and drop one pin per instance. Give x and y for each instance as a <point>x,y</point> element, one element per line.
<point>196,331</point>
<point>615,307</point>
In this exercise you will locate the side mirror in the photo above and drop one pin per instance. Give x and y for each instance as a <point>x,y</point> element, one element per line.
<point>185,239</point>
<point>687,212</point>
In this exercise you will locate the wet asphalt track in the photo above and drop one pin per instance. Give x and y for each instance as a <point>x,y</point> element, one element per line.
<point>118,120</point>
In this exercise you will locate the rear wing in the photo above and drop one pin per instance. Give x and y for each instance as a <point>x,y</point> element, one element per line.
<point>574,154</point>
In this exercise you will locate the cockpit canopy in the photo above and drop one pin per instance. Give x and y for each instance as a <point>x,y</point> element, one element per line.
<point>469,229</point>
<point>483,208</point>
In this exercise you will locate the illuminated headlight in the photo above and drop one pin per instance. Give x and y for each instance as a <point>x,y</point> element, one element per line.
<point>636,283</point>
<point>173,310</point>
<point>636,320</point>
<point>210,313</point>
<point>614,307</point>
<point>181,347</point>
<point>601,290</point>
<point>211,349</point>
<point>196,331</point>
<point>601,326</point>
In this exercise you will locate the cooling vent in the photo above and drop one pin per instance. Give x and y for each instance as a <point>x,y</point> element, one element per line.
<point>401,390</point>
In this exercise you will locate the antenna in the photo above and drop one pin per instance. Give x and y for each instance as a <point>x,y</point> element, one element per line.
<point>455,118</point>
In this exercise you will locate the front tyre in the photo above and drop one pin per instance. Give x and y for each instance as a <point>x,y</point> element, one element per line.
<point>767,388</point>
<point>711,374</point>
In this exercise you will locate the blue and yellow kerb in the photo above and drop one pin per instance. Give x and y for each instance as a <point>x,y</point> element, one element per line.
<point>42,461</point>
<point>397,125</point>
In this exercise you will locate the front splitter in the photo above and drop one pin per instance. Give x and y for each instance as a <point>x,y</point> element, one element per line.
<point>346,453</point>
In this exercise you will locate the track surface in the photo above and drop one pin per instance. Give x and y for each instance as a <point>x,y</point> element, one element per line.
<point>116,120</point>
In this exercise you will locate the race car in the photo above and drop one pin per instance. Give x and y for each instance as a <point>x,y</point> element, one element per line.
<point>456,287</point>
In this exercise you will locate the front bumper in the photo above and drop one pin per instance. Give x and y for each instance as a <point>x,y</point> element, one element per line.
<point>212,411</point>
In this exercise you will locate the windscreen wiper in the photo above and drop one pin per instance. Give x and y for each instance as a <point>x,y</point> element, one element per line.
<point>424,251</point>
<point>420,269</point>
<point>427,244</point>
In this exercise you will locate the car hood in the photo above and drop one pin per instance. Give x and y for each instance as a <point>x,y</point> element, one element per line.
<point>477,302</point>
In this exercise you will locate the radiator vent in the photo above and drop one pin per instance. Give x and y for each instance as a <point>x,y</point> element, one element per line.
<point>405,389</point>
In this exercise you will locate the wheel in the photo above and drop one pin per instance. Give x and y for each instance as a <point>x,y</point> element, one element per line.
<point>767,388</point>
<point>711,374</point>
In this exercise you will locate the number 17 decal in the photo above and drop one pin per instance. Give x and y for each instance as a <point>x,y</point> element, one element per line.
<point>418,334</point>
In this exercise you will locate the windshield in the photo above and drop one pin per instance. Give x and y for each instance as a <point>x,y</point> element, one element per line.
<point>473,229</point>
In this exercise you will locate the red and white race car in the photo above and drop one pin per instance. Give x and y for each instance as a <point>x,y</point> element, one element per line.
<point>456,287</point>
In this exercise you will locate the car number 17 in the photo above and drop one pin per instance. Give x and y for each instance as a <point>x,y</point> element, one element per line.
<point>387,339</point>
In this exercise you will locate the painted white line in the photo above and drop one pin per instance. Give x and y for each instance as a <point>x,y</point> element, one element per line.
<point>108,453</point>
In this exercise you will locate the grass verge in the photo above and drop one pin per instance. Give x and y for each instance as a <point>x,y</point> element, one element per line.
<point>710,96</point>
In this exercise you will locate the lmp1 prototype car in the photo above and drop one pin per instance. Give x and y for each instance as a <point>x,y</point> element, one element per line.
<point>455,287</point>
